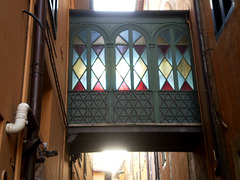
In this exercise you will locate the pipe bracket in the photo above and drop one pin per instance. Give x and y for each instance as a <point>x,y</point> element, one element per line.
<point>34,17</point>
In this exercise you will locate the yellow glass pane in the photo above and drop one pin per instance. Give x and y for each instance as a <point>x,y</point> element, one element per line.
<point>140,68</point>
<point>140,41</point>
<point>165,67</point>
<point>120,40</point>
<point>79,68</point>
<point>99,41</point>
<point>183,41</point>
<point>184,68</point>
<point>162,41</point>
<point>78,41</point>
<point>98,68</point>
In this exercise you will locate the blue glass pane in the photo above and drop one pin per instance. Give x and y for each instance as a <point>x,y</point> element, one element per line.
<point>83,35</point>
<point>145,80</point>
<point>126,56</point>
<point>136,35</point>
<point>103,80</point>
<point>144,56</point>
<point>93,80</point>
<point>135,56</point>
<point>125,36</point>
<point>84,56</point>
<point>136,80</point>
<point>177,35</point>
<point>75,57</point>
<point>84,80</point>
<point>190,79</point>
<point>187,56</point>
<point>74,80</point>
<point>160,57</point>
<point>166,35</point>
<point>118,55</point>
<point>93,56</point>
<point>169,56</point>
<point>118,80</point>
<point>178,57</point>
<point>95,35</point>
<point>171,80</point>
<point>180,80</point>
<point>128,80</point>
<point>161,80</point>
<point>102,56</point>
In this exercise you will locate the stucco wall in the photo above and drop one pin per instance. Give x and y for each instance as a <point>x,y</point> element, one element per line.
<point>12,52</point>
<point>222,56</point>
<point>13,33</point>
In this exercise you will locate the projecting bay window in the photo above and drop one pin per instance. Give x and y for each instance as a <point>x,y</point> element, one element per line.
<point>131,73</point>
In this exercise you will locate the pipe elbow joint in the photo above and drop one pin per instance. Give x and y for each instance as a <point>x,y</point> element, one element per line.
<point>20,119</point>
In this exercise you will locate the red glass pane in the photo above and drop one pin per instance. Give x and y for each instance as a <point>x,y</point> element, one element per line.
<point>182,48</point>
<point>98,48</point>
<point>167,86</point>
<point>79,87</point>
<point>79,49</point>
<point>98,87</point>
<point>164,48</point>
<point>186,86</point>
<point>122,48</point>
<point>123,86</point>
<point>141,86</point>
<point>139,49</point>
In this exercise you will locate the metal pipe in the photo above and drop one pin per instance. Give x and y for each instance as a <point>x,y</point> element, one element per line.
<point>20,119</point>
<point>36,86</point>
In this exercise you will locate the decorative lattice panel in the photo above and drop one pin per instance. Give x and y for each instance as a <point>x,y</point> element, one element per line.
<point>133,107</point>
<point>116,107</point>
<point>87,107</point>
<point>179,107</point>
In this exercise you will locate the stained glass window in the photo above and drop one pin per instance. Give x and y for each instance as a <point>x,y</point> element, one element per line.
<point>98,67</point>
<point>131,73</point>
<point>94,63</point>
<point>165,64</point>
<point>183,62</point>
<point>79,63</point>
<point>174,74</point>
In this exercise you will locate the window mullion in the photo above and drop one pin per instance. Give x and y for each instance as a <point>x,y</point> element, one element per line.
<point>89,66</point>
<point>174,63</point>
<point>131,58</point>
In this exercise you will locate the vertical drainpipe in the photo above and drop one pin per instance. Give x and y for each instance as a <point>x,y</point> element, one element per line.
<point>36,86</point>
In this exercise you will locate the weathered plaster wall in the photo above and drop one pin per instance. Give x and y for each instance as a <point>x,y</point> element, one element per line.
<point>12,53</point>
<point>222,56</point>
<point>13,33</point>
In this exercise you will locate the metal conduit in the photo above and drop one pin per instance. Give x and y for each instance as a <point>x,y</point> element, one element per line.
<point>36,86</point>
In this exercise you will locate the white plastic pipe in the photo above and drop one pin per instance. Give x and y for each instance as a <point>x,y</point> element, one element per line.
<point>20,119</point>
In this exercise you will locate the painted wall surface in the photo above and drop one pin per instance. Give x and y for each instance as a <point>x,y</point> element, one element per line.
<point>13,33</point>
<point>12,52</point>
